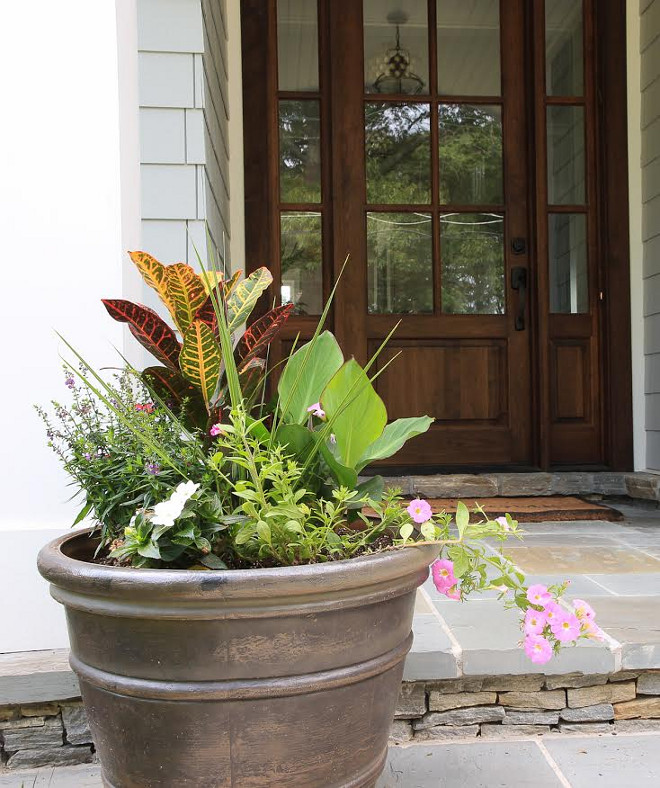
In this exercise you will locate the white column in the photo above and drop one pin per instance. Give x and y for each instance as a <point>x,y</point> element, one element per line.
<point>63,237</point>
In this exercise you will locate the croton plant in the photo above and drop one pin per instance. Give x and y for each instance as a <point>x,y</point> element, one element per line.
<point>192,368</point>
<point>185,466</point>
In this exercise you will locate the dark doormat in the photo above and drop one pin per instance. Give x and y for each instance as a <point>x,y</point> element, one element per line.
<point>534,510</point>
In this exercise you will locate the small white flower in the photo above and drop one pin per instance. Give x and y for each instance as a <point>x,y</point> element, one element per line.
<point>166,512</point>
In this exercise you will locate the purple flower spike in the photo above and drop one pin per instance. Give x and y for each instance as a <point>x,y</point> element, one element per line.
<point>153,468</point>
<point>70,382</point>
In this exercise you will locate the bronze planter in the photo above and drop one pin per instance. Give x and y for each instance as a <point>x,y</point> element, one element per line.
<point>267,677</point>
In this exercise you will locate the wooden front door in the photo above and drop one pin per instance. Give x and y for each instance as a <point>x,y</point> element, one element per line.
<point>449,149</point>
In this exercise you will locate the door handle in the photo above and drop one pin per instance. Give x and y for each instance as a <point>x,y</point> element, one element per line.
<point>519,282</point>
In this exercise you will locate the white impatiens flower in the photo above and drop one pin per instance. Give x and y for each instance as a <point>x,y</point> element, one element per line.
<point>166,512</point>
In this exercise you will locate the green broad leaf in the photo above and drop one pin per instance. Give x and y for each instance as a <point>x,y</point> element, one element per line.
<point>244,535</point>
<point>372,489</point>
<point>356,412</point>
<point>462,518</point>
<point>213,562</point>
<point>345,477</point>
<point>461,562</point>
<point>306,374</point>
<point>428,531</point>
<point>149,550</point>
<point>263,531</point>
<point>297,439</point>
<point>393,437</point>
<point>294,526</point>
<point>406,531</point>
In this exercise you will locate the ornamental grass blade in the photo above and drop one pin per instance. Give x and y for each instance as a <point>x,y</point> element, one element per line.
<point>242,301</point>
<point>186,292</point>
<point>257,336</point>
<point>150,330</point>
<point>200,359</point>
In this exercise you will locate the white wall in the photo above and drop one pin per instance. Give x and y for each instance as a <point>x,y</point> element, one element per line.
<point>61,224</point>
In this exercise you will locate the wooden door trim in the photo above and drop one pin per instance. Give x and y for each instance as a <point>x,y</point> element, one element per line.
<point>614,228</point>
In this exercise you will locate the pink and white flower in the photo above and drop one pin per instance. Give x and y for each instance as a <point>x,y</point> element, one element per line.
<point>316,410</point>
<point>538,649</point>
<point>216,430</point>
<point>503,522</point>
<point>419,510</point>
<point>566,627</point>
<point>591,630</point>
<point>583,610</point>
<point>539,595</point>
<point>452,593</point>
<point>534,622</point>
<point>553,612</point>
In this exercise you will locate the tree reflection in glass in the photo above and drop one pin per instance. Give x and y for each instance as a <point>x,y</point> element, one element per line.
<point>400,262</point>
<point>398,153</point>
<point>472,251</point>
<point>300,151</point>
<point>470,148</point>
<point>300,261</point>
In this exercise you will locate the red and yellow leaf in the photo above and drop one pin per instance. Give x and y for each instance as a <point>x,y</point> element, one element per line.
<point>251,377</point>
<point>173,389</point>
<point>200,359</point>
<point>232,282</point>
<point>155,275</point>
<point>150,330</point>
<point>242,300</point>
<point>257,337</point>
<point>186,292</point>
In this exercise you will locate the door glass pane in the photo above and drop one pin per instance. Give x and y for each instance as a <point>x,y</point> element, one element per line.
<point>396,46</point>
<point>468,47</point>
<point>472,251</point>
<point>300,259</point>
<point>564,57</point>
<point>566,164</point>
<point>300,151</point>
<point>400,262</point>
<point>470,140</point>
<point>297,44</point>
<point>398,152</point>
<point>567,245</point>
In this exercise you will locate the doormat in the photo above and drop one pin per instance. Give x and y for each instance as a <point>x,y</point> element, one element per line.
<point>534,510</point>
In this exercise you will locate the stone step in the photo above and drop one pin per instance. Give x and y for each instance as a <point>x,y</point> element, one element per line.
<point>637,485</point>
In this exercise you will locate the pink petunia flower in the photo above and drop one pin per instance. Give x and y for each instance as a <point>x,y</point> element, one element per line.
<point>566,627</point>
<point>591,630</point>
<point>503,522</point>
<point>452,593</point>
<point>215,430</point>
<point>583,609</point>
<point>443,574</point>
<point>539,595</point>
<point>534,622</point>
<point>316,410</point>
<point>538,649</point>
<point>419,510</point>
<point>553,611</point>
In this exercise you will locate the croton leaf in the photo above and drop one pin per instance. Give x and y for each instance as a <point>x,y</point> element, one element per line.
<point>232,282</point>
<point>174,389</point>
<point>150,330</point>
<point>186,292</point>
<point>257,336</point>
<point>242,300</point>
<point>200,358</point>
<point>206,312</point>
<point>250,377</point>
<point>155,275</point>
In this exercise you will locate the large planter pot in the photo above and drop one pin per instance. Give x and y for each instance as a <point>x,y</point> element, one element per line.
<point>268,677</point>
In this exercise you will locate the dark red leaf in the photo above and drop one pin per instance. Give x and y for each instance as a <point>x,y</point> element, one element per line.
<point>261,333</point>
<point>150,330</point>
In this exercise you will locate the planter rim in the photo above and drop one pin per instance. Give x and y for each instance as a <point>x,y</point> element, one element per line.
<point>67,573</point>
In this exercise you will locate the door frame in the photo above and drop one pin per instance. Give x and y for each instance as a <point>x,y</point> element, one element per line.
<point>258,25</point>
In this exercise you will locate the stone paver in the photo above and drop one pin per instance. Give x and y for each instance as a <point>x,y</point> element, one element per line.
<point>608,762</point>
<point>550,761</point>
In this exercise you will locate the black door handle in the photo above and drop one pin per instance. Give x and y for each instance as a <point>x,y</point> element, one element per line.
<point>519,282</point>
